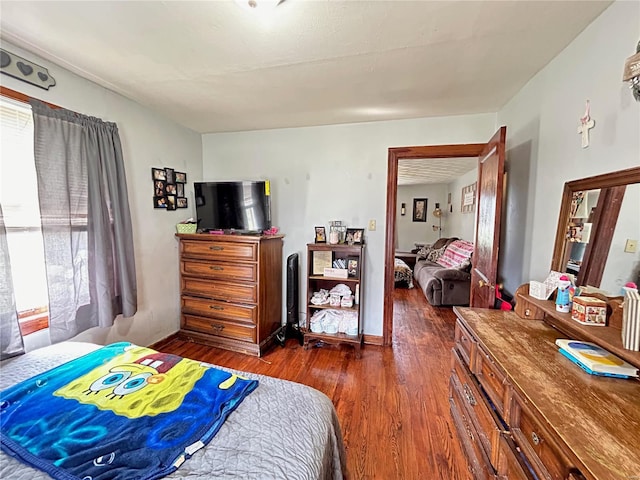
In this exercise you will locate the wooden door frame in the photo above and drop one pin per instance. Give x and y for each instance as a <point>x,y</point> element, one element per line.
<point>395,155</point>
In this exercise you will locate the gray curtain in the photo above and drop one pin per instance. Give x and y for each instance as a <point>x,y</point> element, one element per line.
<point>86,222</point>
<point>10,336</point>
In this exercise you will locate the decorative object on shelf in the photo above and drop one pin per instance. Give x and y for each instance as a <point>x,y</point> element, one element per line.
<point>631,320</point>
<point>420,209</point>
<point>631,73</point>
<point>469,198</point>
<point>188,226</point>
<point>321,260</point>
<point>589,311</point>
<point>168,188</point>
<point>563,298</point>
<point>586,124</point>
<point>403,209</point>
<point>321,235</point>
<point>353,266</point>
<point>438,214</point>
<point>337,227</point>
<point>22,69</point>
<point>355,236</point>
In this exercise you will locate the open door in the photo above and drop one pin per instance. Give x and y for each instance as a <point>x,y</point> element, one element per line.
<point>488,213</point>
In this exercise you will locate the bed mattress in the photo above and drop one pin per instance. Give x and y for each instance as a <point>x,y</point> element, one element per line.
<point>281,430</point>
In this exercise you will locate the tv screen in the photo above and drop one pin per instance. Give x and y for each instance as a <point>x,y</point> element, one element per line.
<point>238,206</point>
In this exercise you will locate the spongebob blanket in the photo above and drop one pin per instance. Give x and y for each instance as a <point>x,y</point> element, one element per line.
<point>120,412</point>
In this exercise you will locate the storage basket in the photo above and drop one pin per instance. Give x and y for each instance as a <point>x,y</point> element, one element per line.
<point>186,227</point>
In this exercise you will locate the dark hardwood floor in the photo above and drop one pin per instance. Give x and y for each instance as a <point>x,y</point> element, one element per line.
<point>392,403</point>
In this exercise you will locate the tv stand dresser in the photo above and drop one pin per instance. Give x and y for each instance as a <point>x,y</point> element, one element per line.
<point>231,290</point>
<point>524,411</point>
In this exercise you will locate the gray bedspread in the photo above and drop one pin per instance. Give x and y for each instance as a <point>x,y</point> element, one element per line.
<point>282,430</point>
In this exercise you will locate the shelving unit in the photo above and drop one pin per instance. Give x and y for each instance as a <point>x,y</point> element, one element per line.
<point>315,282</point>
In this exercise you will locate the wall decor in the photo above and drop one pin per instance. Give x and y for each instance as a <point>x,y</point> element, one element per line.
<point>321,235</point>
<point>355,236</point>
<point>22,69</point>
<point>469,198</point>
<point>586,124</point>
<point>168,188</point>
<point>631,73</point>
<point>420,209</point>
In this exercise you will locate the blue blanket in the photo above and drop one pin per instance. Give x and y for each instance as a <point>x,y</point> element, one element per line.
<point>121,412</point>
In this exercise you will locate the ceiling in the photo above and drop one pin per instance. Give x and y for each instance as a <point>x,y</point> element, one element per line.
<point>214,67</point>
<point>433,170</point>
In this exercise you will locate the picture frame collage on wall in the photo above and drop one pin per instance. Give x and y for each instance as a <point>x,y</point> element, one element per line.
<point>168,188</point>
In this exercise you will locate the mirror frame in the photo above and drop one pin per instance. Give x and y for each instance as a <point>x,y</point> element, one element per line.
<point>612,186</point>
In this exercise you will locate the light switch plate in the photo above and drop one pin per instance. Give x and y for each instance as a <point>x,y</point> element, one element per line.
<point>631,246</point>
<point>372,225</point>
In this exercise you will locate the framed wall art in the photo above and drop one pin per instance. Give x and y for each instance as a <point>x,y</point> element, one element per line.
<point>469,198</point>
<point>420,209</point>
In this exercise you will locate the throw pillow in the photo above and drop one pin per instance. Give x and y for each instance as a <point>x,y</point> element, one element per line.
<point>457,254</point>
<point>424,252</point>
<point>435,254</point>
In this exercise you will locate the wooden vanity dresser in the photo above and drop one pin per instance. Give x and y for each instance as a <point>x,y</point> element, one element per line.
<point>524,411</point>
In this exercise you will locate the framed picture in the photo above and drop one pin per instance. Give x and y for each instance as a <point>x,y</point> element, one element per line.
<point>321,260</point>
<point>171,202</point>
<point>181,177</point>
<point>469,198</point>
<point>170,173</point>
<point>160,202</point>
<point>159,188</point>
<point>419,209</point>
<point>355,236</point>
<point>180,189</point>
<point>321,235</point>
<point>182,202</point>
<point>171,188</point>
<point>158,174</point>
<point>353,266</point>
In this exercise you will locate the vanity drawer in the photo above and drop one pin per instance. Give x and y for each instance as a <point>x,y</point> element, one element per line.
<point>464,343</point>
<point>219,310</point>
<point>538,444</point>
<point>508,462</point>
<point>247,252</point>
<point>491,378</point>
<point>472,399</point>
<point>220,328</point>
<point>221,290</point>
<point>223,271</point>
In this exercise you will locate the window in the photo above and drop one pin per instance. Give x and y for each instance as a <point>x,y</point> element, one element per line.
<point>19,199</point>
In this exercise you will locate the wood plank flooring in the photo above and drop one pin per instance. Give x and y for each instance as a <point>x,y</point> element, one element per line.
<point>392,403</point>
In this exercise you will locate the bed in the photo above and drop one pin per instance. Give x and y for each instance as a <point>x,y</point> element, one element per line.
<point>280,430</point>
<point>403,273</point>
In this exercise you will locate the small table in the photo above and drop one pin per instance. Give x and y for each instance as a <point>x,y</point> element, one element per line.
<point>408,258</point>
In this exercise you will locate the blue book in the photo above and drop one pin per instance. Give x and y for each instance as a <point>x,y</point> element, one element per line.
<point>596,360</point>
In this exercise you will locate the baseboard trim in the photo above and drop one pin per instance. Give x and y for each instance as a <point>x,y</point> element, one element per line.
<point>373,340</point>
<point>165,340</point>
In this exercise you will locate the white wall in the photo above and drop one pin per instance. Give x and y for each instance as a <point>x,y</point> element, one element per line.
<point>410,232</point>
<point>544,148</point>
<point>336,172</point>
<point>148,140</point>
<point>457,223</point>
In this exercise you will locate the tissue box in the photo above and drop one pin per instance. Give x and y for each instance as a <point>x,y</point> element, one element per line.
<point>539,290</point>
<point>589,311</point>
<point>631,321</point>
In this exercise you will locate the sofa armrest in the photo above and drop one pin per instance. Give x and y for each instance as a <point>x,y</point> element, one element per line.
<point>452,274</point>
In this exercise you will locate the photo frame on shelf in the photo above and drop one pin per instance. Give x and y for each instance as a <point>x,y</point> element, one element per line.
<point>420,209</point>
<point>321,235</point>
<point>353,266</point>
<point>468,203</point>
<point>181,177</point>
<point>355,236</point>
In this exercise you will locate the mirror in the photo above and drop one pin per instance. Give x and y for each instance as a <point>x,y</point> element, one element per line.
<point>588,223</point>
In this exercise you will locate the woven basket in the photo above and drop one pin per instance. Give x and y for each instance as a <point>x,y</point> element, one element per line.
<point>186,227</point>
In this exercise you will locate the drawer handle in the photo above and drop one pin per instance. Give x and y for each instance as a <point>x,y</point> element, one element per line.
<point>216,248</point>
<point>527,313</point>
<point>216,267</point>
<point>216,307</point>
<point>217,328</point>
<point>470,398</point>
<point>535,438</point>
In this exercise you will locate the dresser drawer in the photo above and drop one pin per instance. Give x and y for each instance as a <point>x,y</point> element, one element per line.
<point>464,343</point>
<point>472,399</point>
<point>509,463</point>
<point>220,290</point>
<point>538,444</point>
<point>223,271</point>
<point>491,378</point>
<point>219,310</point>
<point>219,328</point>
<point>212,250</point>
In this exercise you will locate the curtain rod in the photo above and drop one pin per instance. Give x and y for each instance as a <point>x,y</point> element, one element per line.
<point>7,92</point>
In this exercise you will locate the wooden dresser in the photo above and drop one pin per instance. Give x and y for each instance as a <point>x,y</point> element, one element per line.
<point>231,290</point>
<point>524,411</point>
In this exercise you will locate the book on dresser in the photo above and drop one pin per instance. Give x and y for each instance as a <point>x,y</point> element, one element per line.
<point>595,360</point>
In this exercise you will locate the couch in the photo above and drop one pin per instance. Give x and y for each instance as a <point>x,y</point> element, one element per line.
<point>442,271</point>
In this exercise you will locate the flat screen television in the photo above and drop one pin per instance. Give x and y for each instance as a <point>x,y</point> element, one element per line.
<point>243,207</point>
